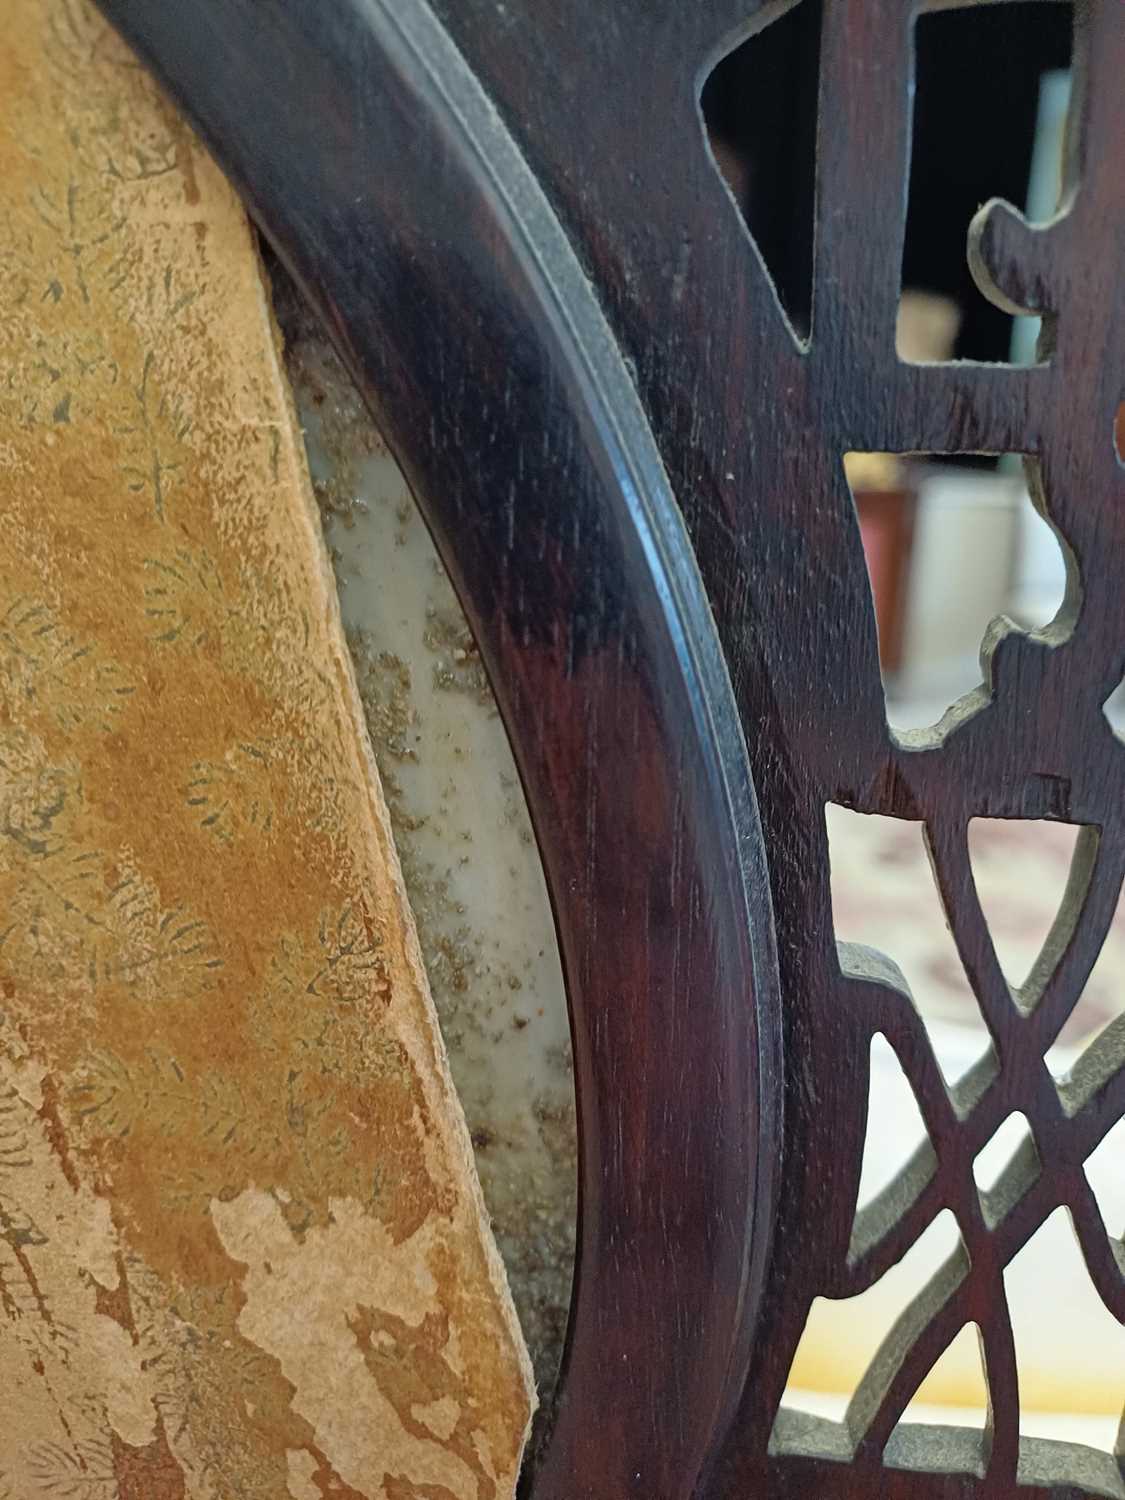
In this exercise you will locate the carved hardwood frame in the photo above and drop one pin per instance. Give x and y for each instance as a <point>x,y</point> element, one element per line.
<point>633,467</point>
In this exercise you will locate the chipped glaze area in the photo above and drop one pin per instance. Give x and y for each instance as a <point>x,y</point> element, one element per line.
<point>462,832</point>
<point>242,1251</point>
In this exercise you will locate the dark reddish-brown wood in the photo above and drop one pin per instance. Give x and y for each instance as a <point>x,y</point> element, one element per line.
<point>511,218</point>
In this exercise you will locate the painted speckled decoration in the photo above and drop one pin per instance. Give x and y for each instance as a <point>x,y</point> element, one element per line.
<point>242,1252</point>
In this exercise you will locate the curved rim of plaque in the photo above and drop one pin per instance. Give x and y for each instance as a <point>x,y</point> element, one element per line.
<point>371,158</point>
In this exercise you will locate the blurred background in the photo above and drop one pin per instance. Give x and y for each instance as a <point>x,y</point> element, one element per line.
<point>950,542</point>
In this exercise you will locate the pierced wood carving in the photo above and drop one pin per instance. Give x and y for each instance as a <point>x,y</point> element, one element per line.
<point>446,269</point>
<point>1032,742</point>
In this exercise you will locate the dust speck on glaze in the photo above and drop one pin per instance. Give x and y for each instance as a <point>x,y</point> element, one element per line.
<point>461,826</point>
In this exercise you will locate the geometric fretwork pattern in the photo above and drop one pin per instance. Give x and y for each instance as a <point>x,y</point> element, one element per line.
<point>1071,1117</point>
<point>1032,742</point>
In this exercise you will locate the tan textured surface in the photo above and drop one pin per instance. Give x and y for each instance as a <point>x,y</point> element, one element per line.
<point>241,1251</point>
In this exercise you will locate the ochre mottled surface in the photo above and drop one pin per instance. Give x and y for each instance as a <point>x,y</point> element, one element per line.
<point>241,1245</point>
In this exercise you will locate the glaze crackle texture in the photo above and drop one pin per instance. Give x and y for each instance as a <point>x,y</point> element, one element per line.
<point>242,1250</point>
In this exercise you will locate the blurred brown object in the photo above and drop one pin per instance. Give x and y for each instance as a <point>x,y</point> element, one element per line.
<point>733,166</point>
<point>886,525</point>
<point>885,503</point>
<point>885,499</point>
<point>927,327</point>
